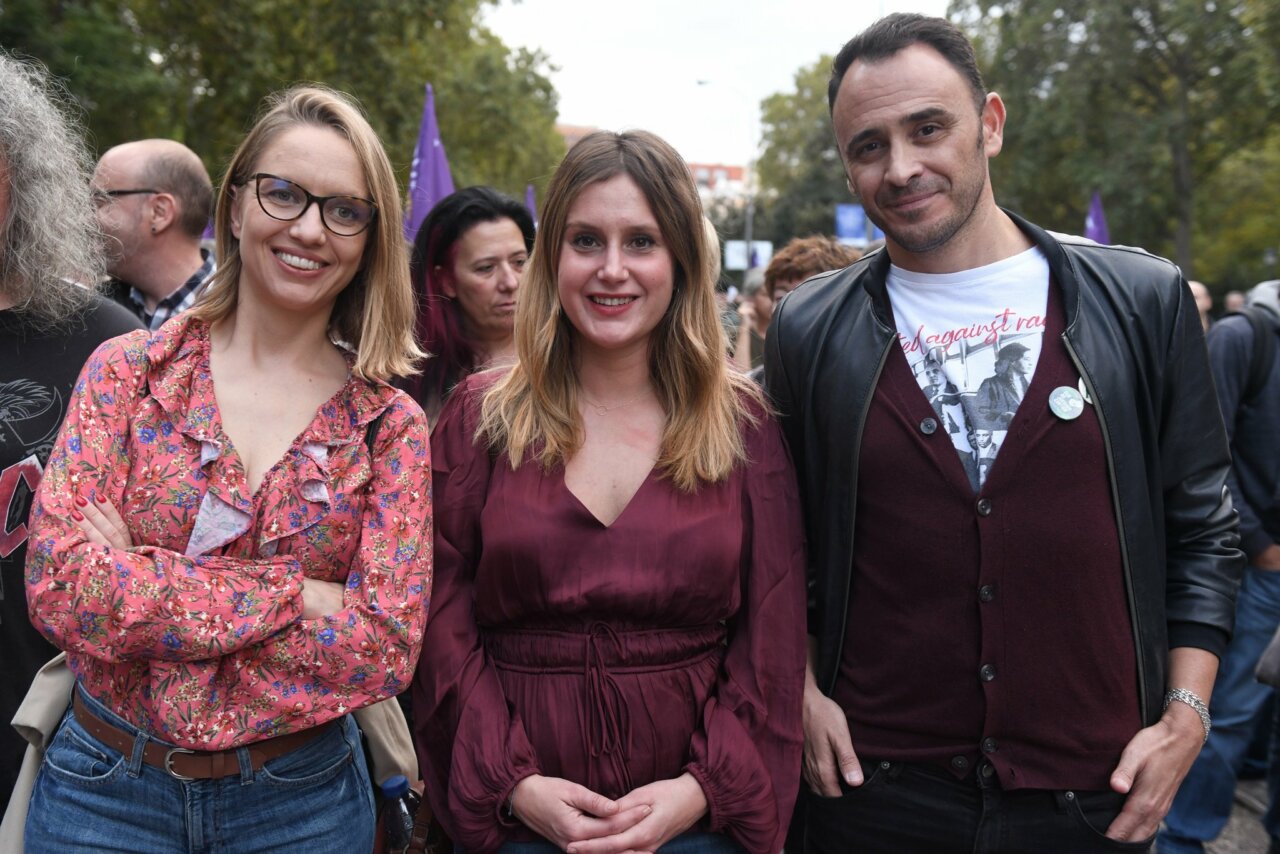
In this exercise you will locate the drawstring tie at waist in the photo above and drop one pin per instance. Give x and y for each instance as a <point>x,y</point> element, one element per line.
<point>608,729</point>
<point>602,653</point>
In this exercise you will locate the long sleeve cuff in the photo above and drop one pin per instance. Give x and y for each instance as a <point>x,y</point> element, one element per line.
<point>1209,638</point>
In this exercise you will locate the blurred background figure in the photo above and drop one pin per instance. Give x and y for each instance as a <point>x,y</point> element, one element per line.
<point>729,319</point>
<point>1204,303</point>
<point>1244,354</point>
<point>1233,301</point>
<point>49,324</point>
<point>154,199</point>
<point>466,266</point>
<point>803,258</point>
<point>755,308</point>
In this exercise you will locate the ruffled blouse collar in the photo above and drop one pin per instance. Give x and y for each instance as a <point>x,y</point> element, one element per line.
<point>180,381</point>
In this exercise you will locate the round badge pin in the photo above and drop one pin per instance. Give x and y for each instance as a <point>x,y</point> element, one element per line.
<point>1084,392</point>
<point>1066,403</point>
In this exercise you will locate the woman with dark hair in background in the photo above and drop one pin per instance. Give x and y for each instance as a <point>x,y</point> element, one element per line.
<point>615,659</point>
<point>466,266</point>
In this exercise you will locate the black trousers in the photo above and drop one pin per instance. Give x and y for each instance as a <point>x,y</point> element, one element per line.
<point>904,808</point>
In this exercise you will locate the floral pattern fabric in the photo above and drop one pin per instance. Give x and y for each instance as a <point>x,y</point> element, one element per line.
<point>197,635</point>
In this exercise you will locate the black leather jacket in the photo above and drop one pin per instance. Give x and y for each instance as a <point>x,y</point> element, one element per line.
<point>1134,336</point>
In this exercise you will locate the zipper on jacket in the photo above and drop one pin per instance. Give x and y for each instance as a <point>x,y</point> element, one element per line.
<point>853,487</point>
<point>1124,549</point>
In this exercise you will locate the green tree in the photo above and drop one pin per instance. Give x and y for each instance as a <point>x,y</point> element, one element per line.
<point>801,176</point>
<point>197,72</point>
<point>1142,101</point>
<point>123,92</point>
<point>1237,244</point>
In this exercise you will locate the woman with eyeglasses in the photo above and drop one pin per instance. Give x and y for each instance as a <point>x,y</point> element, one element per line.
<point>615,656</point>
<point>466,264</point>
<point>232,539</point>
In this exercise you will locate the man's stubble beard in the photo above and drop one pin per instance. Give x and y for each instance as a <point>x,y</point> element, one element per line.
<point>941,233</point>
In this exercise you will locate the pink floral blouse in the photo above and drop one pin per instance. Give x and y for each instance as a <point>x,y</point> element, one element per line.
<point>197,636</point>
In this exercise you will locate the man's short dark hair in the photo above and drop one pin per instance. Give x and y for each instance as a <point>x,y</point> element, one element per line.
<point>896,32</point>
<point>186,179</point>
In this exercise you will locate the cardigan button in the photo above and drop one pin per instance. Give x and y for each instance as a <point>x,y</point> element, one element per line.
<point>987,673</point>
<point>984,506</point>
<point>989,745</point>
<point>929,426</point>
<point>960,763</point>
<point>986,593</point>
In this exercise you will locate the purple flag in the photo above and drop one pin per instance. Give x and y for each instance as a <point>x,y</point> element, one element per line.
<point>531,202</point>
<point>429,178</point>
<point>1095,222</point>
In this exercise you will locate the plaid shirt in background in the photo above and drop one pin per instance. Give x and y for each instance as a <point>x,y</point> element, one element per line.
<point>178,301</point>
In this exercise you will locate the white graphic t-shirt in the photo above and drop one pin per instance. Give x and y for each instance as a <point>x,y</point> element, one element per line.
<point>972,340</point>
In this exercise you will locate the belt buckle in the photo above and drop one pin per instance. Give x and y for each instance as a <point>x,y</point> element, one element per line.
<point>168,764</point>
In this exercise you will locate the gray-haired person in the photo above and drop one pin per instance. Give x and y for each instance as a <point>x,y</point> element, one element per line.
<point>49,324</point>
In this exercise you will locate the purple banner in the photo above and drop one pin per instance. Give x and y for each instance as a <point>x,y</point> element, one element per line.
<point>1095,222</point>
<point>429,178</point>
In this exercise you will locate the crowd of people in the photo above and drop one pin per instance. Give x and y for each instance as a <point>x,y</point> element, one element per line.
<point>934,548</point>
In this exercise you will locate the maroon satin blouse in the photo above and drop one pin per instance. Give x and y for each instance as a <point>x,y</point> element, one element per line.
<point>612,656</point>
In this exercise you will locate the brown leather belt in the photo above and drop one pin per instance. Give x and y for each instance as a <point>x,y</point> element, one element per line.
<point>193,764</point>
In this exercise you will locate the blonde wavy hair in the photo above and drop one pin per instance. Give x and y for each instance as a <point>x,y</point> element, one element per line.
<point>534,408</point>
<point>375,312</point>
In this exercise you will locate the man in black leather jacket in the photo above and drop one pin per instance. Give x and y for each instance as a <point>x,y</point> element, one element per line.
<point>1085,714</point>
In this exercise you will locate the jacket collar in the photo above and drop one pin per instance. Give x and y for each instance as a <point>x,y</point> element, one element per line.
<point>876,273</point>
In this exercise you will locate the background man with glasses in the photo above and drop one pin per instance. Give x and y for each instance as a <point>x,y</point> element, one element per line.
<point>153,198</point>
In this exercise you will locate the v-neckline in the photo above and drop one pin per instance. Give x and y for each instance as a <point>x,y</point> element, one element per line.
<point>595,517</point>
<point>232,453</point>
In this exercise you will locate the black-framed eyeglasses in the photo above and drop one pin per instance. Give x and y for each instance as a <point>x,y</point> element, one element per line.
<point>102,197</point>
<point>280,198</point>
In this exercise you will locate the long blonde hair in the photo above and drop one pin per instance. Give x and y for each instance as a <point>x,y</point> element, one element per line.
<point>534,408</point>
<point>375,312</point>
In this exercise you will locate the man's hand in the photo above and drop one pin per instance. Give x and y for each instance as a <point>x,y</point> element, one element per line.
<point>563,812</point>
<point>1268,559</point>
<point>673,807</point>
<point>1151,769</point>
<point>101,523</point>
<point>828,749</point>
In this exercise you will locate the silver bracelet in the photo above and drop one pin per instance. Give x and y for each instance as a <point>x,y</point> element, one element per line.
<point>1182,695</point>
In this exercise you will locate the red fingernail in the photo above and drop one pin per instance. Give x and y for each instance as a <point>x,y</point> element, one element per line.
<point>77,515</point>
<point>80,502</point>
<point>102,499</point>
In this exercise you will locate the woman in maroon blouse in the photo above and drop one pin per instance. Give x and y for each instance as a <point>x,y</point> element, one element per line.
<point>614,659</point>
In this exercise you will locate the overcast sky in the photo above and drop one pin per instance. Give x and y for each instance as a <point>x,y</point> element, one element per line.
<point>638,64</point>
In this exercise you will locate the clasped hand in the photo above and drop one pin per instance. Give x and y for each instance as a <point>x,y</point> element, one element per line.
<point>581,821</point>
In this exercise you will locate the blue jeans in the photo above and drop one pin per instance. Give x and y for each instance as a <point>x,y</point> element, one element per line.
<point>1204,802</point>
<point>89,797</point>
